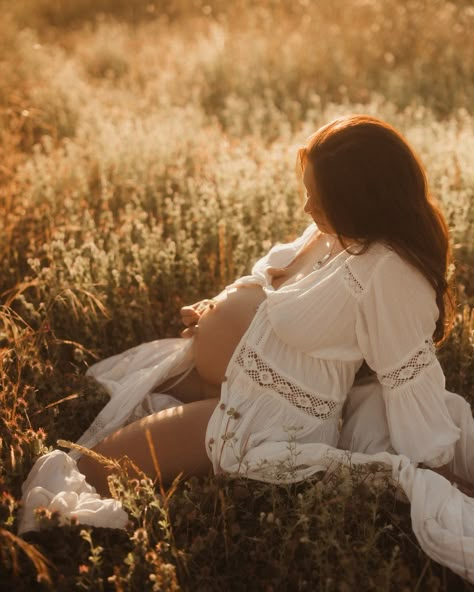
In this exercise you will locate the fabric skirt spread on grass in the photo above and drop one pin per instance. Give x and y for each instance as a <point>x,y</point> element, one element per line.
<point>442,517</point>
<point>130,378</point>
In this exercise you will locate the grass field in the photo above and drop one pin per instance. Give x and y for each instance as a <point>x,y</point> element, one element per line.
<point>147,155</point>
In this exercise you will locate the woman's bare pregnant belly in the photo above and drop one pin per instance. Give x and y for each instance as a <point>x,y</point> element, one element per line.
<point>221,328</point>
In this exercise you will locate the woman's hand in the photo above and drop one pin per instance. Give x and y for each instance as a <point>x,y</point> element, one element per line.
<point>191,314</point>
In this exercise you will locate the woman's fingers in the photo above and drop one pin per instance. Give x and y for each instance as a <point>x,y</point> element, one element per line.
<point>189,315</point>
<point>189,332</point>
<point>276,272</point>
<point>203,305</point>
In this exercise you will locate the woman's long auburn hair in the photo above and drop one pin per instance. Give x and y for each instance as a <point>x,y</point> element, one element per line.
<point>372,187</point>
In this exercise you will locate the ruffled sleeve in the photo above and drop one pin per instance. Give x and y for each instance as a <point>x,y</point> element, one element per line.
<point>395,321</point>
<point>280,255</point>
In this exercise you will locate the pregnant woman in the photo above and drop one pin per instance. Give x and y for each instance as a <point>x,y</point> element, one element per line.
<point>263,370</point>
<point>276,353</point>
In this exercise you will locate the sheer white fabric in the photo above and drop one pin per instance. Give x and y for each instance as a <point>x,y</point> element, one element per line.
<point>293,370</point>
<point>400,303</point>
<point>55,482</point>
<point>130,378</point>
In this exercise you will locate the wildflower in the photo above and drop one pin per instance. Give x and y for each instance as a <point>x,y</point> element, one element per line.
<point>73,521</point>
<point>140,535</point>
<point>233,413</point>
<point>228,436</point>
<point>21,404</point>
<point>150,556</point>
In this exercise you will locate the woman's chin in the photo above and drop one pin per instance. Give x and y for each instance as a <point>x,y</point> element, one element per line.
<point>325,228</point>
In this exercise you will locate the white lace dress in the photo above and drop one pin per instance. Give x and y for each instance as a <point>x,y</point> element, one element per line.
<point>293,369</point>
<point>285,387</point>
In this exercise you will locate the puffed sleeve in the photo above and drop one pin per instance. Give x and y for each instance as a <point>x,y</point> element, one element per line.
<point>395,321</point>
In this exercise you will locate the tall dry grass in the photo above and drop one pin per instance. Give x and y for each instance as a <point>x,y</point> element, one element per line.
<point>146,158</point>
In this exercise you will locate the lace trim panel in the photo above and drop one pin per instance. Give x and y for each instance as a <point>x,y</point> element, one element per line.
<point>412,368</point>
<point>97,426</point>
<point>351,281</point>
<point>249,360</point>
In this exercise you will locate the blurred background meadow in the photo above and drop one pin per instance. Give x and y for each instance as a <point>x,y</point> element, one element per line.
<point>147,157</point>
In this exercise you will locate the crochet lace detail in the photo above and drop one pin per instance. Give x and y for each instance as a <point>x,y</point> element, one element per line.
<point>411,368</point>
<point>350,279</point>
<point>97,426</point>
<point>249,360</point>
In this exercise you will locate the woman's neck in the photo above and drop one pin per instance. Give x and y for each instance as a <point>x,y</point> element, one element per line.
<point>316,254</point>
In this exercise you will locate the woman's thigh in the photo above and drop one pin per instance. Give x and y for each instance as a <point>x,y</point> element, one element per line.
<point>177,437</point>
<point>191,388</point>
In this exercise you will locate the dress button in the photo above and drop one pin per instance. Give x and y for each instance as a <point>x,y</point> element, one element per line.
<point>222,406</point>
<point>224,379</point>
<point>211,441</point>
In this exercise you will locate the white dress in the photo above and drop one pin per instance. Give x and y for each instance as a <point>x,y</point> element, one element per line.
<point>293,369</point>
<point>287,381</point>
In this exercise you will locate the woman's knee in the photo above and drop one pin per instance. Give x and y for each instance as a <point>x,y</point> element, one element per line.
<point>173,439</point>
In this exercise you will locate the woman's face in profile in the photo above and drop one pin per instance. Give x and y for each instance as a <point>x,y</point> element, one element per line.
<point>313,205</point>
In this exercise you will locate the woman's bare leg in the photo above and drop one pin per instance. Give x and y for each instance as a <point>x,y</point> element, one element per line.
<point>191,388</point>
<point>178,437</point>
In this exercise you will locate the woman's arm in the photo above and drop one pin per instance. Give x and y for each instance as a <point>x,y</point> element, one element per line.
<point>396,318</point>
